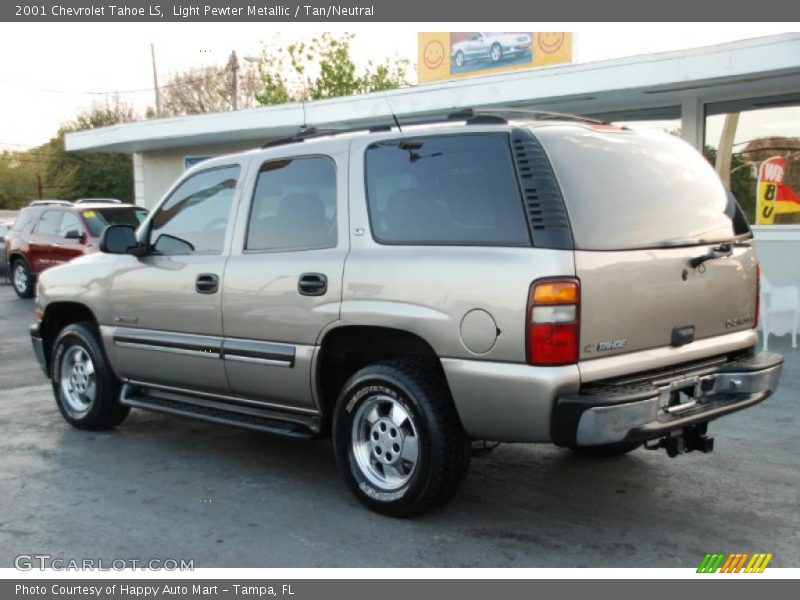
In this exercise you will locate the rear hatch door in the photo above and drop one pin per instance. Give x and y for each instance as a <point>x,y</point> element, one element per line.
<point>642,207</point>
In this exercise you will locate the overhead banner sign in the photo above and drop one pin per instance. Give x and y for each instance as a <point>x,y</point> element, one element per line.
<point>453,55</point>
<point>773,197</point>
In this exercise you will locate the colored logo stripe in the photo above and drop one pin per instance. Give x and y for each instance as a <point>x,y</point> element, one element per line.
<point>734,563</point>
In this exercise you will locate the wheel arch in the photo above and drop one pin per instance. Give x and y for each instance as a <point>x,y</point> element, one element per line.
<point>58,315</point>
<point>346,349</point>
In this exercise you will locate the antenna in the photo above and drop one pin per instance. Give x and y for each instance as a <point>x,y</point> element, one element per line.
<point>394,116</point>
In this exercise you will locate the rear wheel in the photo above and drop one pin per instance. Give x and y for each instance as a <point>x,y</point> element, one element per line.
<point>85,387</point>
<point>497,53</point>
<point>398,440</point>
<point>22,279</point>
<point>606,450</point>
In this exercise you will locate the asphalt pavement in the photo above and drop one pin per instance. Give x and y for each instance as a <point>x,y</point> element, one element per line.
<point>164,487</point>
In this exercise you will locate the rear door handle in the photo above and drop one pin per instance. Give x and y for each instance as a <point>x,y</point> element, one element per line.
<point>206,283</point>
<point>312,284</point>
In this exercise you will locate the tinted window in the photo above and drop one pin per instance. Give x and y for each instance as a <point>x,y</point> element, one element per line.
<point>195,217</point>
<point>70,224</point>
<point>49,222</point>
<point>639,190</point>
<point>99,219</point>
<point>294,205</point>
<point>445,190</point>
<point>24,219</point>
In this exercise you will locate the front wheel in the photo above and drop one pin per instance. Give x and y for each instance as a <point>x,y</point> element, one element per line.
<point>497,53</point>
<point>398,440</point>
<point>85,387</point>
<point>22,279</point>
<point>459,59</point>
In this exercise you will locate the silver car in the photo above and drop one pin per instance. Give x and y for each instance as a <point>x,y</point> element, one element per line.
<point>486,277</point>
<point>493,47</point>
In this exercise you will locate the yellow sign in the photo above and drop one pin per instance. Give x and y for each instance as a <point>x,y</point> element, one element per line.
<point>773,197</point>
<point>453,55</point>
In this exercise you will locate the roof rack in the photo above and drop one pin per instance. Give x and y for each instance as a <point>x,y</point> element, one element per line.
<point>98,201</point>
<point>46,202</point>
<point>471,116</point>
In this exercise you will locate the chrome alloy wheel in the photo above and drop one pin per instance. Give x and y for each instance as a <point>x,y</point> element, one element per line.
<point>78,382</point>
<point>385,442</point>
<point>20,278</point>
<point>497,53</point>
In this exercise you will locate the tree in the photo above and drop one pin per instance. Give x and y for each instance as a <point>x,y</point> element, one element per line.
<point>201,90</point>
<point>17,178</point>
<point>322,68</point>
<point>72,175</point>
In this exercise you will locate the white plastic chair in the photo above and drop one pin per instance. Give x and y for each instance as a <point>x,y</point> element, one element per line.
<point>783,302</point>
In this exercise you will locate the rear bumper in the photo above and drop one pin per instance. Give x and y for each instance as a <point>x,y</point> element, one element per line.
<point>38,347</point>
<point>642,410</point>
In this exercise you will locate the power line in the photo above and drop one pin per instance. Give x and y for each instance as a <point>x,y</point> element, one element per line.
<point>130,91</point>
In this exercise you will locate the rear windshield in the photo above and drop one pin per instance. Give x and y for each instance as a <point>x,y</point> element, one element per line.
<point>445,190</point>
<point>97,219</point>
<point>627,191</point>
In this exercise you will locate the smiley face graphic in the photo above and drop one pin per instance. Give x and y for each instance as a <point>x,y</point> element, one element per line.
<point>550,42</point>
<point>433,54</point>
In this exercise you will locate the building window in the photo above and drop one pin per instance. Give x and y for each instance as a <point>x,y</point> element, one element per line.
<point>754,145</point>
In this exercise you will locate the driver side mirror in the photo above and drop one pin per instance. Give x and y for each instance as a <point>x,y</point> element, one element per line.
<point>118,239</point>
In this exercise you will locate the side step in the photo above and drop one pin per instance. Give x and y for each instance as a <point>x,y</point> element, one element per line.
<point>224,413</point>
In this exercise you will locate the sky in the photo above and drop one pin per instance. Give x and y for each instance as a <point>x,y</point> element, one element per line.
<point>50,71</point>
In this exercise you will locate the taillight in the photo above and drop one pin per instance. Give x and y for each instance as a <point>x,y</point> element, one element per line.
<point>553,322</point>
<point>758,296</point>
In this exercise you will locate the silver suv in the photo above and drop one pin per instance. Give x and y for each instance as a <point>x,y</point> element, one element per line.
<point>411,291</point>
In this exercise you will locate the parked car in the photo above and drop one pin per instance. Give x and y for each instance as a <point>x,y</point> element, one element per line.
<point>413,291</point>
<point>490,46</point>
<point>5,227</point>
<point>51,232</point>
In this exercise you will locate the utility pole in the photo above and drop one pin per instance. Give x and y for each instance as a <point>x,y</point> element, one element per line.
<point>39,185</point>
<point>233,65</point>
<point>155,81</point>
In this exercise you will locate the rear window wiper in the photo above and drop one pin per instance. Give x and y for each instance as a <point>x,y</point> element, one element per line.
<point>724,250</point>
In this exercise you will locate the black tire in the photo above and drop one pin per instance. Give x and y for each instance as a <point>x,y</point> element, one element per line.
<point>606,450</point>
<point>443,448</point>
<point>103,410</point>
<point>20,267</point>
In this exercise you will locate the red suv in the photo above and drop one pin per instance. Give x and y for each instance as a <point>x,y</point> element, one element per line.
<point>52,232</point>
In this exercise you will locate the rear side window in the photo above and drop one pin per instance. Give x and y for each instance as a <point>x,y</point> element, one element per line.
<point>24,220</point>
<point>445,190</point>
<point>294,205</point>
<point>49,222</point>
<point>99,218</point>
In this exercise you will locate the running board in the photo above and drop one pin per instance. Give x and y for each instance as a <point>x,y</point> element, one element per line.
<point>247,417</point>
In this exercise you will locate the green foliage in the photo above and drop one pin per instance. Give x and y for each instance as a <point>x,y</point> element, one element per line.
<point>17,178</point>
<point>79,175</point>
<point>322,68</point>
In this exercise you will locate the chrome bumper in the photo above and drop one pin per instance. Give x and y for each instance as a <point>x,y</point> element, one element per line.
<point>649,410</point>
<point>38,348</point>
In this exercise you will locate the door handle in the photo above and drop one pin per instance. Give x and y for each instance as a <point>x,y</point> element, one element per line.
<point>206,283</point>
<point>312,284</point>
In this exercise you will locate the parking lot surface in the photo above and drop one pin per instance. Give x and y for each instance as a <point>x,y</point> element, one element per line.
<point>164,487</point>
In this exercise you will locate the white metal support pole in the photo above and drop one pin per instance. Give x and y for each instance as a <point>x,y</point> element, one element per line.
<point>693,122</point>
